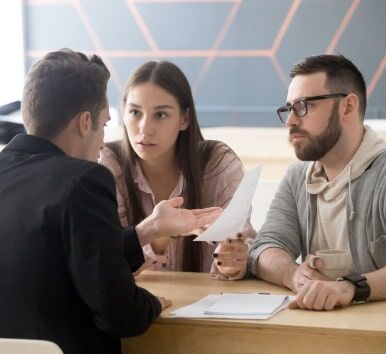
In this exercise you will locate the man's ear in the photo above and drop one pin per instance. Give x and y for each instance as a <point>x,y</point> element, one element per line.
<point>84,122</point>
<point>351,106</point>
<point>185,121</point>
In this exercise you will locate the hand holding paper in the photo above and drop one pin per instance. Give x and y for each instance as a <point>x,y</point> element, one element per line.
<point>234,217</point>
<point>230,260</point>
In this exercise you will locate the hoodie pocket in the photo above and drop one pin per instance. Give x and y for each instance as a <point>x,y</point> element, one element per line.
<point>378,251</point>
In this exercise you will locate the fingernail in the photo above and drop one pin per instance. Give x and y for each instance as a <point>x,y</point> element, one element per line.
<point>219,263</point>
<point>215,255</point>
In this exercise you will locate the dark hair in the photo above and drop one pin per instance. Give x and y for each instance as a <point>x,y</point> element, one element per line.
<point>59,86</point>
<point>193,153</point>
<point>342,75</point>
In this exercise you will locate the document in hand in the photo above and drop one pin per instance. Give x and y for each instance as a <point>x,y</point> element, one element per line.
<point>236,306</point>
<point>235,215</point>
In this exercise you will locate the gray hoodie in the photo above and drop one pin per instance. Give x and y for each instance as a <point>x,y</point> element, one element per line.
<point>330,229</point>
<point>293,220</point>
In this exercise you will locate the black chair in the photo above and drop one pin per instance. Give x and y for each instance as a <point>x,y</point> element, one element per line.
<point>9,129</point>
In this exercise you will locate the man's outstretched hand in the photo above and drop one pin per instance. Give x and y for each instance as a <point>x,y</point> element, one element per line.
<point>168,219</point>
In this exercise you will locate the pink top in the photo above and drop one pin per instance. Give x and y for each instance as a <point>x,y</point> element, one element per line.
<point>218,189</point>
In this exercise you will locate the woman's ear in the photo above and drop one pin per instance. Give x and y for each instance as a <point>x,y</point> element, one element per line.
<point>185,121</point>
<point>84,123</point>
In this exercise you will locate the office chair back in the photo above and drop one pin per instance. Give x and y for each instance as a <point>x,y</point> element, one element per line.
<point>28,346</point>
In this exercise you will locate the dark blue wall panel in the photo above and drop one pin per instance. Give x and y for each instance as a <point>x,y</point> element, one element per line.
<point>236,53</point>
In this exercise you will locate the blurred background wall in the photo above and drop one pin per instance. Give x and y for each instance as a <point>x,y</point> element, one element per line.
<point>236,53</point>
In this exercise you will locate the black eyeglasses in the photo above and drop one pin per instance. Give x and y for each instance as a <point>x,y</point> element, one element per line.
<point>300,107</point>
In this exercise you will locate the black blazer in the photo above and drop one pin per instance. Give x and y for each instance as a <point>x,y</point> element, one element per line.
<point>65,261</point>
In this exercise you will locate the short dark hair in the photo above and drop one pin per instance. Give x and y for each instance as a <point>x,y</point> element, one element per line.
<point>342,75</point>
<point>61,85</point>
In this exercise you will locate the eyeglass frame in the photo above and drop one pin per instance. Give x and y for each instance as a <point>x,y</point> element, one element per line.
<point>305,100</point>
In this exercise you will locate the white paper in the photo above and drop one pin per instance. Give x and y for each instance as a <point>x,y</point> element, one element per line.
<point>235,306</point>
<point>235,215</point>
<point>197,309</point>
<point>245,304</point>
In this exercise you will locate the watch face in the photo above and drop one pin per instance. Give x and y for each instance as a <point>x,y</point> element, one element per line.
<point>362,289</point>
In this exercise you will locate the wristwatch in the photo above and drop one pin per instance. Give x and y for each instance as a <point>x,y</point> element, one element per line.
<point>362,288</point>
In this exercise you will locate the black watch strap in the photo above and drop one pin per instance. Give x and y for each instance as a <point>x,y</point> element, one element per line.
<point>362,288</point>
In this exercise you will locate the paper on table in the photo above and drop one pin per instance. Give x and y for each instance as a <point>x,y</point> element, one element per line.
<point>236,306</point>
<point>234,216</point>
<point>197,309</point>
<point>245,304</point>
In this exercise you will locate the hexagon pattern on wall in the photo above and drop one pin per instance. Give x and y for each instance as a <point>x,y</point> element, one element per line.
<point>236,53</point>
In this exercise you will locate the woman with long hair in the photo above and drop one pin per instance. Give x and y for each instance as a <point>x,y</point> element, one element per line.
<point>163,155</point>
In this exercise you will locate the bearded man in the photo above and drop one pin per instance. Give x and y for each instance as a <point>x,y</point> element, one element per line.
<point>333,199</point>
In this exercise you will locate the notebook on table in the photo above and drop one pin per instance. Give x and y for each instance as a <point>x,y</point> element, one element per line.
<point>234,305</point>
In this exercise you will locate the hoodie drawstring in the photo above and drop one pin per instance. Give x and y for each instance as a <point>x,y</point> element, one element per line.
<point>351,204</point>
<point>308,210</point>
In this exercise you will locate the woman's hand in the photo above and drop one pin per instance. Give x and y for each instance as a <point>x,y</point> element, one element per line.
<point>230,259</point>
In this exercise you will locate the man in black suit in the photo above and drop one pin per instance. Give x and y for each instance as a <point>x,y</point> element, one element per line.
<point>65,261</point>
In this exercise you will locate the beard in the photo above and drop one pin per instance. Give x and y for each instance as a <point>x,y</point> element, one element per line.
<point>321,144</point>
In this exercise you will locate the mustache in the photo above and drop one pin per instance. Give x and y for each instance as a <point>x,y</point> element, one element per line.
<point>294,130</point>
